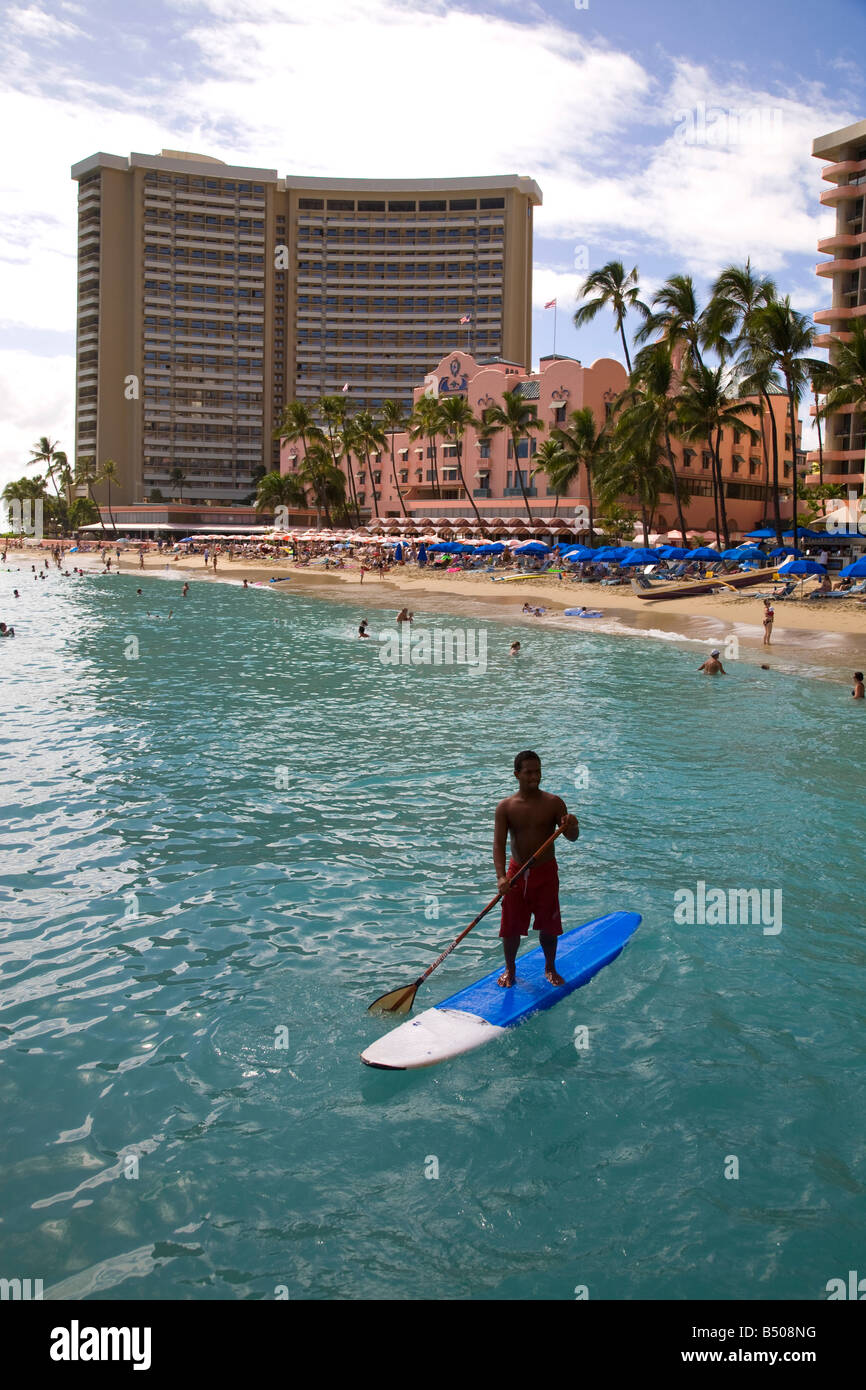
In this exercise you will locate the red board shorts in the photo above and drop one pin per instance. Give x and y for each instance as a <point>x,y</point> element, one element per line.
<point>537,893</point>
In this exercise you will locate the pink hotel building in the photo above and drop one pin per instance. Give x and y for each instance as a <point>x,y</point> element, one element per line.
<point>560,386</point>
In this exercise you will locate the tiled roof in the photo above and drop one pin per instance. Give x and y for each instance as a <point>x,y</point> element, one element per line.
<point>529,390</point>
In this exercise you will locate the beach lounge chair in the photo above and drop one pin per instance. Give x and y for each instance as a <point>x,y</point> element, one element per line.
<point>854,592</point>
<point>641,582</point>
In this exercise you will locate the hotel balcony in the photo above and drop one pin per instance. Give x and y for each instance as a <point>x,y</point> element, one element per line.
<point>833,172</point>
<point>839,267</point>
<point>845,193</point>
<point>840,311</point>
<point>841,241</point>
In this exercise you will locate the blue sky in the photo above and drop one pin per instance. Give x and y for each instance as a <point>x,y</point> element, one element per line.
<point>674,135</point>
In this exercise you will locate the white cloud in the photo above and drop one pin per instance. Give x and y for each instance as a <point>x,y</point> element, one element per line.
<point>36,398</point>
<point>36,24</point>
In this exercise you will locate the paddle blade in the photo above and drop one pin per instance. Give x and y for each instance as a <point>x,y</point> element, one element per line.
<point>399,1001</point>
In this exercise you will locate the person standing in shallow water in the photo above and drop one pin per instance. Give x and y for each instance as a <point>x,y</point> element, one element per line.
<point>530,817</point>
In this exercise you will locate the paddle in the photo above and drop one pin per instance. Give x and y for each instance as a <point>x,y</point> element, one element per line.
<point>400,1001</point>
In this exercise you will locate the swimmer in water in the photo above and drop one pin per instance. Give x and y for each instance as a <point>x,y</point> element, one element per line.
<point>362,629</point>
<point>713,666</point>
<point>515,649</point>
<point>859,691</point>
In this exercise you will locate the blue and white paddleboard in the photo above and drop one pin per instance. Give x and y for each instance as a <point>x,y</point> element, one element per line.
<point>484,1010</point>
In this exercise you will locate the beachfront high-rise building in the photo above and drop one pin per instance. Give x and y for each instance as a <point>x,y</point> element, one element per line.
<point>846,151</point>
<point>211,295</point>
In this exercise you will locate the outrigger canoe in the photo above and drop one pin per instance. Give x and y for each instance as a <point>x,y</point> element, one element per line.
<point>743,580</point>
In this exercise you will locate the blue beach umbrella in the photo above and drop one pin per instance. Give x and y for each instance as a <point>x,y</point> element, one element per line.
<point>856,570</point>
<point>532,548</point>
<point>764,534</point>
<point>398,552</point>
<point>578,552</point>
<point>490,548</point>
<point>611,552</point>
<point>804,533</point>
<point>704,552</point>
<point>422,554</point>
<point>746,552</point>
<point>641,555</point>
<point>784,550</point>
<point>673,552</point>
<point>802,567</point>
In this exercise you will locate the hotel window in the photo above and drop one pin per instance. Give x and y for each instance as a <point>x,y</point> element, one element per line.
<point>559,414</point>
<point>404,475</point>
<point>706,459</point>
<point>754,465</point>
<point>463,204</point>
<point>737,436</point>
<point>688,455</point>
<point>735,463</point>
<point>437,205</point>
<point>492,202</point>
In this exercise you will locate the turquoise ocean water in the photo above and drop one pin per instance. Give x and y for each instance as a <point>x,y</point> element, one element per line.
<point>249,828</point>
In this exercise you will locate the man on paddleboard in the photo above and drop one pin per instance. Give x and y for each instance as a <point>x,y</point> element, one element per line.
<point>530,817</point>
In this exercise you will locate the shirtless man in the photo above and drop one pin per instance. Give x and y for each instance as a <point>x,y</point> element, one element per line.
<point>712,666</point>
<point>530,817</point>
<point>859,691</point>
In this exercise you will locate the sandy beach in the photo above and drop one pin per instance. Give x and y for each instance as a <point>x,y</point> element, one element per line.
<point>830,633</point>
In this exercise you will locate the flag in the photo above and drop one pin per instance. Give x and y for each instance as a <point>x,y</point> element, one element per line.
<point>467,318</point>
<point>346,387</point>
<point>551,304</point>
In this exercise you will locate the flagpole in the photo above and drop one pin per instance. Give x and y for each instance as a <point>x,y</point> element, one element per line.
<point>555,312</point>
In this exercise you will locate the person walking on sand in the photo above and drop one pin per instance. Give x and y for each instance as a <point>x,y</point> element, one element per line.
<point>214,562</point>
<point>859,691</point>
<point>141,559</point>
<point>530,817</point>
<point>769,616</point>
<point>712,666</point>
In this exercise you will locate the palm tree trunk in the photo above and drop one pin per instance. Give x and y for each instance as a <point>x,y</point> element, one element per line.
<point>820,442</point>
<point>676,481</point>
<point>792,411</point>
<point>431,440</point>
<point>590,507</point>
<point>774,438</point>
<point>643,522</point>
<point>463,483</point>
<point>514,444</point>
<point>624,346</point>
<point>110,513</point>
<point>394,471</point>
<point>369,468</point>
<point>723,510</point>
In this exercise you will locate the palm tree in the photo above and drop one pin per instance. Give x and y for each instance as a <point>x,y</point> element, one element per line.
<point>650,409</point>
<point>277,489</point>
<point>424,423</point>
<point>456,416</point>
<point>369,439</point>
<point>785,336</point>
<point>178,477</point>
<point>347,444</point>
<point>86,475</point>
<point>675,316</point>
<point>555,464</point>
<point>636,467</point>
<point>760,378</point>
<point>64,474</point>
<point>611,288</point>
<point>316,471</point>
<point>334,411</point>
<point>737,293</point>
<point>394,422</point>
<point>517,417</point>
<point>108,474</point>
<point>25,490</point>
<point>46,452</point>
<point>706,407</point>
<point>844,379</point>
<point>584,447</point>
